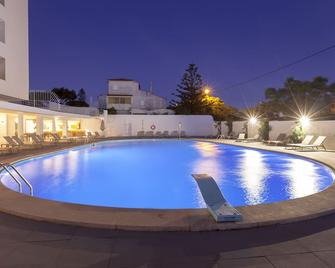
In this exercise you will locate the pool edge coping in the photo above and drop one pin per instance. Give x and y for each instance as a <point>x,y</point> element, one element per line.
<point>305,208</point>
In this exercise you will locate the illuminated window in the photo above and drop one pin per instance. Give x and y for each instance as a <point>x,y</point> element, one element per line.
<point>30,126</point>
<point>119,100</point>
<point>2,68</point>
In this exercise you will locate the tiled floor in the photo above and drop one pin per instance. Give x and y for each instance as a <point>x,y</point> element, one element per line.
<point>25,243</point>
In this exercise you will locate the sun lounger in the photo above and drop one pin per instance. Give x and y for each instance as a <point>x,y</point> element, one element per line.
<point>98,136</point>
<point>149,134</point>
<point>279,141</point>
<point>22,144</point>
<point>255,138</point>
<point>217,205</point>
<point>221,136</point>
<point>10,143</point>
<point>43,141</point>
<point>57,138</point>
<point>241,137</point>
<point>140,133</point>
<point>166,133</point>
<point>306,141</point>
<point>317,144</point>
<point>174,134</point>
<point>182,133</point>
<point>159,134</point>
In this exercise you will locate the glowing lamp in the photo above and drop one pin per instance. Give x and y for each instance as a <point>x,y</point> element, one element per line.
<point>304,121</point>
<point>207,90</point>
<point>253,120</point>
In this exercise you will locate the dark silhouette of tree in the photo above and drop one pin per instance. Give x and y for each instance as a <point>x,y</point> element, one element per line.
<point>70,97</point>
<point>189,93</point>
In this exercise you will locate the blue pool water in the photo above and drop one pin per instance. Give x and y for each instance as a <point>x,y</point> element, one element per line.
<point>157,174</point>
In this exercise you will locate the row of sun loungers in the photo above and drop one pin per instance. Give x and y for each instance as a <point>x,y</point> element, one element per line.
<point>161,134</point>
<point>282,140</point>
<point>14,143</point>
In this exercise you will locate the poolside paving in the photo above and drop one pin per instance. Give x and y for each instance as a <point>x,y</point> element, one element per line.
<point>27,243</point>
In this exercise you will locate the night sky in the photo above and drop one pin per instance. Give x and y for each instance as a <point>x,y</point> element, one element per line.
<point>82,43</point>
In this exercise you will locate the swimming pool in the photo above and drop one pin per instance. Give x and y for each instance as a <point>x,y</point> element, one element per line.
<point>157,174</point>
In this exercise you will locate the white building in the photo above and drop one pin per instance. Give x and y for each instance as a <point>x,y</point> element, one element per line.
<point>16,119</point>
<point>126,97</point>
<point>14,49</point>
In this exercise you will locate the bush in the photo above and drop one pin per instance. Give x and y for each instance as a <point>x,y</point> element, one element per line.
<point>298,134</point>
<point>264,130</point>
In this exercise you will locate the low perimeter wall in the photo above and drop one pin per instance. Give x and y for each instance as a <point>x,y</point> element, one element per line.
<point>129,125</point>
<point>316,128</point>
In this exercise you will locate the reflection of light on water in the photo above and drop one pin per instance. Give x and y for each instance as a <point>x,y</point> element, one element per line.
<point>207,149</point>
<point>253,176</point>
<point>303,178</point>
<point>72,167</point>
<point>207,163</point>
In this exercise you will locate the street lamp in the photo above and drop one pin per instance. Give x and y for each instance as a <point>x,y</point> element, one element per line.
<point>207,90</point>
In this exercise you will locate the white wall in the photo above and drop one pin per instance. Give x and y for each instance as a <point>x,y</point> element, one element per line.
<point>278,127</point>
<point>129,125</point>
<point>238,127</point>
<point>15,49</point>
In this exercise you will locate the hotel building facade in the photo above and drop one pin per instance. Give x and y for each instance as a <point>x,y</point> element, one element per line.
<point>16,118</point>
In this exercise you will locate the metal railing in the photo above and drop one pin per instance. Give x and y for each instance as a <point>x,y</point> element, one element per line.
<point>7,168</point>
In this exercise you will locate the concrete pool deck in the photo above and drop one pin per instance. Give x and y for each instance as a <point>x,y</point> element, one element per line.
<point>300,209</point>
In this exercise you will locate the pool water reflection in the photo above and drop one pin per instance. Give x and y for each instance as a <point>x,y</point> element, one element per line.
<point>157,174</point>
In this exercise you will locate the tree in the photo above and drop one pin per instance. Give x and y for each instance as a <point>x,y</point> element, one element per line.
<point>189,93</point>
<point>81,96</point>
<point>70,97</point>
<point>65,94</point>
<point>215,106</point>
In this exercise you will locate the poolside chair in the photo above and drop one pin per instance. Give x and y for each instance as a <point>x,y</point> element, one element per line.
<point>241,137</point>
<point>221,136</point>
<point>174,134</point>
<point>316,145</point>
<point>149,134</point>
<point>24,145</point>
<point>255,138</point>
<point>217,205</point>
<point>165,133</point>
<point>306,141</point>
<point>279,141</point>
<point>98,136</point>
<point>43,141</point>
<point>57,138</point>
<point>159,134</point>
<point>140,133</point>
<point>182,133</point>
<point>90,136</point>
<point>10,142</point>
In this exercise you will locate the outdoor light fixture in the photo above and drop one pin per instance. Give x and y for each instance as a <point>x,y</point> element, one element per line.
<point>304,121</point>
<point>253,120</point>
<point>207,90</point>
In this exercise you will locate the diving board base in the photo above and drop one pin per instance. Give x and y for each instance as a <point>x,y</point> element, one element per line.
<point>217,205</point>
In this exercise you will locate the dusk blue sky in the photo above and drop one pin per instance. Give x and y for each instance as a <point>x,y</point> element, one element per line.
<point>82,43</point>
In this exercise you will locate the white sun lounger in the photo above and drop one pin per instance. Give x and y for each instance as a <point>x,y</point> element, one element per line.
<point>318,143</point>
<point>306,141</point>
<point>217,205</point>
<point>241,137</point>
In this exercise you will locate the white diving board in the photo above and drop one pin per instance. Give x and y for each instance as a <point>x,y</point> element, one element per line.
<point>217,205</point>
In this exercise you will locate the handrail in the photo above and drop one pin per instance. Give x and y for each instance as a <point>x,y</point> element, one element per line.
<point>23,178</point>
<point>6,165</point>
<point>15,179</point>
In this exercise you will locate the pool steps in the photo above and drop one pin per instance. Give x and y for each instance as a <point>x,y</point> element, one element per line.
<point>7,168</point>
<point>217,205</point>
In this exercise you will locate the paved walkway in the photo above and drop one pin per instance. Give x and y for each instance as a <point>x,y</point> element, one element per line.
<point>25,243</point>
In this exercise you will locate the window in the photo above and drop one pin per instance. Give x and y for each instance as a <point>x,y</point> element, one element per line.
<point>2,68</point>
<point>2,2</point>
<point>2,31</point>
<point>119,100</point>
